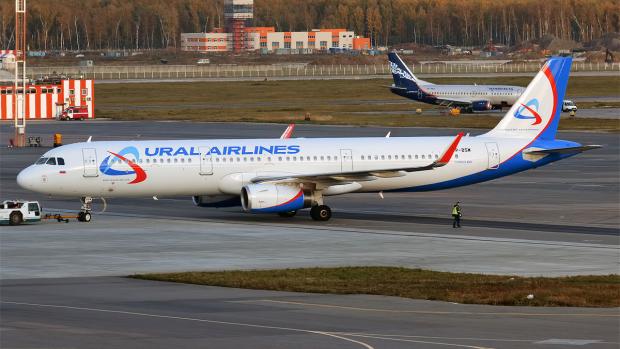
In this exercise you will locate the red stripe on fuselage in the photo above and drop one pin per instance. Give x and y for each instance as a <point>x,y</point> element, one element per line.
<point>140,174</point>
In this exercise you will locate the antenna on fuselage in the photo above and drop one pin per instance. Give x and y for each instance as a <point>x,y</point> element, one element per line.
<point>90,138</point>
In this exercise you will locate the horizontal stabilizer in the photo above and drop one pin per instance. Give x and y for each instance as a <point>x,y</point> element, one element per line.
<point>566,150</point>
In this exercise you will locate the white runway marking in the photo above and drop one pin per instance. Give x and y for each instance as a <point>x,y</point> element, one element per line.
<point>110,311</point>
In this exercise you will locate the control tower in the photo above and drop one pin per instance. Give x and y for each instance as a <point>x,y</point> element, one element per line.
<point>238,15</point>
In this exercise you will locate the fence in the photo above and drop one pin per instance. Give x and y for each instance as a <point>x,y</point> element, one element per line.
<point>267,71</point>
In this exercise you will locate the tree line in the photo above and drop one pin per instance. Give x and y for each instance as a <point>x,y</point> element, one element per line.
<point>156,24</point>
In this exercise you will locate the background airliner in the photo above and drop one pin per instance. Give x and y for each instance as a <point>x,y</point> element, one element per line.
<point>468,98</point>
<point>285,175</point>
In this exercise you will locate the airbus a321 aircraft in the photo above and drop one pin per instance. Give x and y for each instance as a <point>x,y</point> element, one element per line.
<point>286,175</point>
<point>468,98</point>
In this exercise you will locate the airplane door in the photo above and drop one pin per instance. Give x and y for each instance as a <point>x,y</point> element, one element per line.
<point>89,156</point>
<point>493,154</point>
<point>346,160</point>
<point>206,162</point>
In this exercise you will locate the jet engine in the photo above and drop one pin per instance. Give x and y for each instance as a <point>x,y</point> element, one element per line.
<point>273,198</point>
<point>481,105</point>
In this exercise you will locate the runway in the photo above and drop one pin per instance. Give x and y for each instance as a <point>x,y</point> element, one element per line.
<point>561,219</point>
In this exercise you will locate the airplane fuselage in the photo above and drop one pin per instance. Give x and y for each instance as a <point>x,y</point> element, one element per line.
<point>223,167</point>
<point>496,95</point>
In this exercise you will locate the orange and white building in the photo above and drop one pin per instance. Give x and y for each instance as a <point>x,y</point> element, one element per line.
<point>267,39</point>
<point>48,100</point>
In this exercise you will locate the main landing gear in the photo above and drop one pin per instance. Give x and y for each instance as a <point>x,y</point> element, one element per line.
<point>321,213</point>
<point>86,209</point>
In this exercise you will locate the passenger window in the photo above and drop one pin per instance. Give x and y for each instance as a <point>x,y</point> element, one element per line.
<point>61,161</point>
<point>177,160</point>
<point>329,158</point>
<point>382,157</point>
<point>51,161</point>
<point>362,157</point>
<point>322,158</point>
<point>389,157</point>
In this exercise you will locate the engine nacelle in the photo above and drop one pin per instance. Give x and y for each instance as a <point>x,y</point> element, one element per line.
<point>217,201</point>
<point>273,198</point>
<point>481,105</point>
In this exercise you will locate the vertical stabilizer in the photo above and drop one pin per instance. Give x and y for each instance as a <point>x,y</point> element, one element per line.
<point>536,114</point>
<point>403,77</point>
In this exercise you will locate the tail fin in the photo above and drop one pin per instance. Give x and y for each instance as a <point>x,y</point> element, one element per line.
<point>403,77</point>
<point>536,114</point>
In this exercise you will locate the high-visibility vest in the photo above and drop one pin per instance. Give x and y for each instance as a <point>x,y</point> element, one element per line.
<point>455,210</point>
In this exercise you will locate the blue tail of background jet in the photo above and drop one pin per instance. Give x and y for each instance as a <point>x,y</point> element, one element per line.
<point>403,77</point>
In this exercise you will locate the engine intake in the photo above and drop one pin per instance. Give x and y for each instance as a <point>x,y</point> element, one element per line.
<point>273,198</point>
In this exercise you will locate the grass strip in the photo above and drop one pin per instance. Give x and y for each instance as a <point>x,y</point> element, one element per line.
<point>465,288</point>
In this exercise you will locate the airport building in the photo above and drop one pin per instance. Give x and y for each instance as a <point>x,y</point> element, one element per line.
<point>239,36</point>
<point>48,99</point>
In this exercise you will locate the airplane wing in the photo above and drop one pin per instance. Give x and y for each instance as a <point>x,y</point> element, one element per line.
<point>454,101</point>
<point>288,132</point>
<point>332,178</point>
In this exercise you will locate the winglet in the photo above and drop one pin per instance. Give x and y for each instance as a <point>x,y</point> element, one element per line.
<point>288,132</point>
<point>447,155</point>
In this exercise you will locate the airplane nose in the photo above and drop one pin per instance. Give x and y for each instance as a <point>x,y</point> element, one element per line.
<point>25,178</point>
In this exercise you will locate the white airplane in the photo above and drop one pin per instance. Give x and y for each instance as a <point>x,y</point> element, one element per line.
<point>468,98</point>
<point>286,175</point>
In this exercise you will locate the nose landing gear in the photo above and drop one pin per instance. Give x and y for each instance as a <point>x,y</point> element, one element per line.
<point>86,209</point>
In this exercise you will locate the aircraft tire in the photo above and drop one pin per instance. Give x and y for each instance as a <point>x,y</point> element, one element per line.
<point>321,213</point>
<point>86,217</point>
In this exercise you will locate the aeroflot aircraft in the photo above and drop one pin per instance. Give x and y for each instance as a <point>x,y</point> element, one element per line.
<point>286,175</point>
<point>466,97</point>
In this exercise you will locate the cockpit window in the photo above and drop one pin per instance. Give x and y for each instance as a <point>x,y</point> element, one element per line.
<point>51,161</point>
<point>61,161</point>
<point>41,161</point>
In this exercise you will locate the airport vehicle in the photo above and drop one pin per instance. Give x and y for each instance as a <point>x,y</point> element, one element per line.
<point>568,106</point>
<point>283,176</point>
<point>467,98</point>
<point>15,212</point>
<point>74,113</point>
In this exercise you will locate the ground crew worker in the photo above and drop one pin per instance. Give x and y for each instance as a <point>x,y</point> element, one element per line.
<point>456,214</point>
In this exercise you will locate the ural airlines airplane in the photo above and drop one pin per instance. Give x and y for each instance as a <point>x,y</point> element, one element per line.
<point>286,175</point>
<point>465,97</point>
